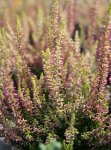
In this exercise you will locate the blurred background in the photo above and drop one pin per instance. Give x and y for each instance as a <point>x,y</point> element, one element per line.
<point>86,16</point>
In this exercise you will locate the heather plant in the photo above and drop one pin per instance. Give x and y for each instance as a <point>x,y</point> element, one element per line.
<point>67,101</point>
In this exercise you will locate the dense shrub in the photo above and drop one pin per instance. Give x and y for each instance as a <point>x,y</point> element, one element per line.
<point>62,94</point>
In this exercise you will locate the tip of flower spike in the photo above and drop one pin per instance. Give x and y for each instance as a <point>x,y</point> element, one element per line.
<point>18,22</point>
<point>77,41</point>
<point>3,33</point>
<point>56,1</point>
<point>3,37</point>
<point>47,53</point>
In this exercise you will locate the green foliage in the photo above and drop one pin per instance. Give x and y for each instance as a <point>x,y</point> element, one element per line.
<point>54,145</point>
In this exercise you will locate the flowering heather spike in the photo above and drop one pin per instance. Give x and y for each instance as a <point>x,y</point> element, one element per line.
<point>5,62</point>
<point>23,89</point>
<point>109,38</point>
<point>39,23</point>
<point>92,27</point>
<point>55,62</point>
<point>48,68</point>
<point>19,36</point>
<point>36,87</point>
<point>99,47</point>
<point>52,81</point>
<point>58,60</point>
<point>77,42</point>
<point>71,15</point>
<point>97,96</point>
<point>71,131</point>
<point>54,23</point>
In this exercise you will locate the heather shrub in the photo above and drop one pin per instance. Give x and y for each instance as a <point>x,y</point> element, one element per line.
<point>57,94</point>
